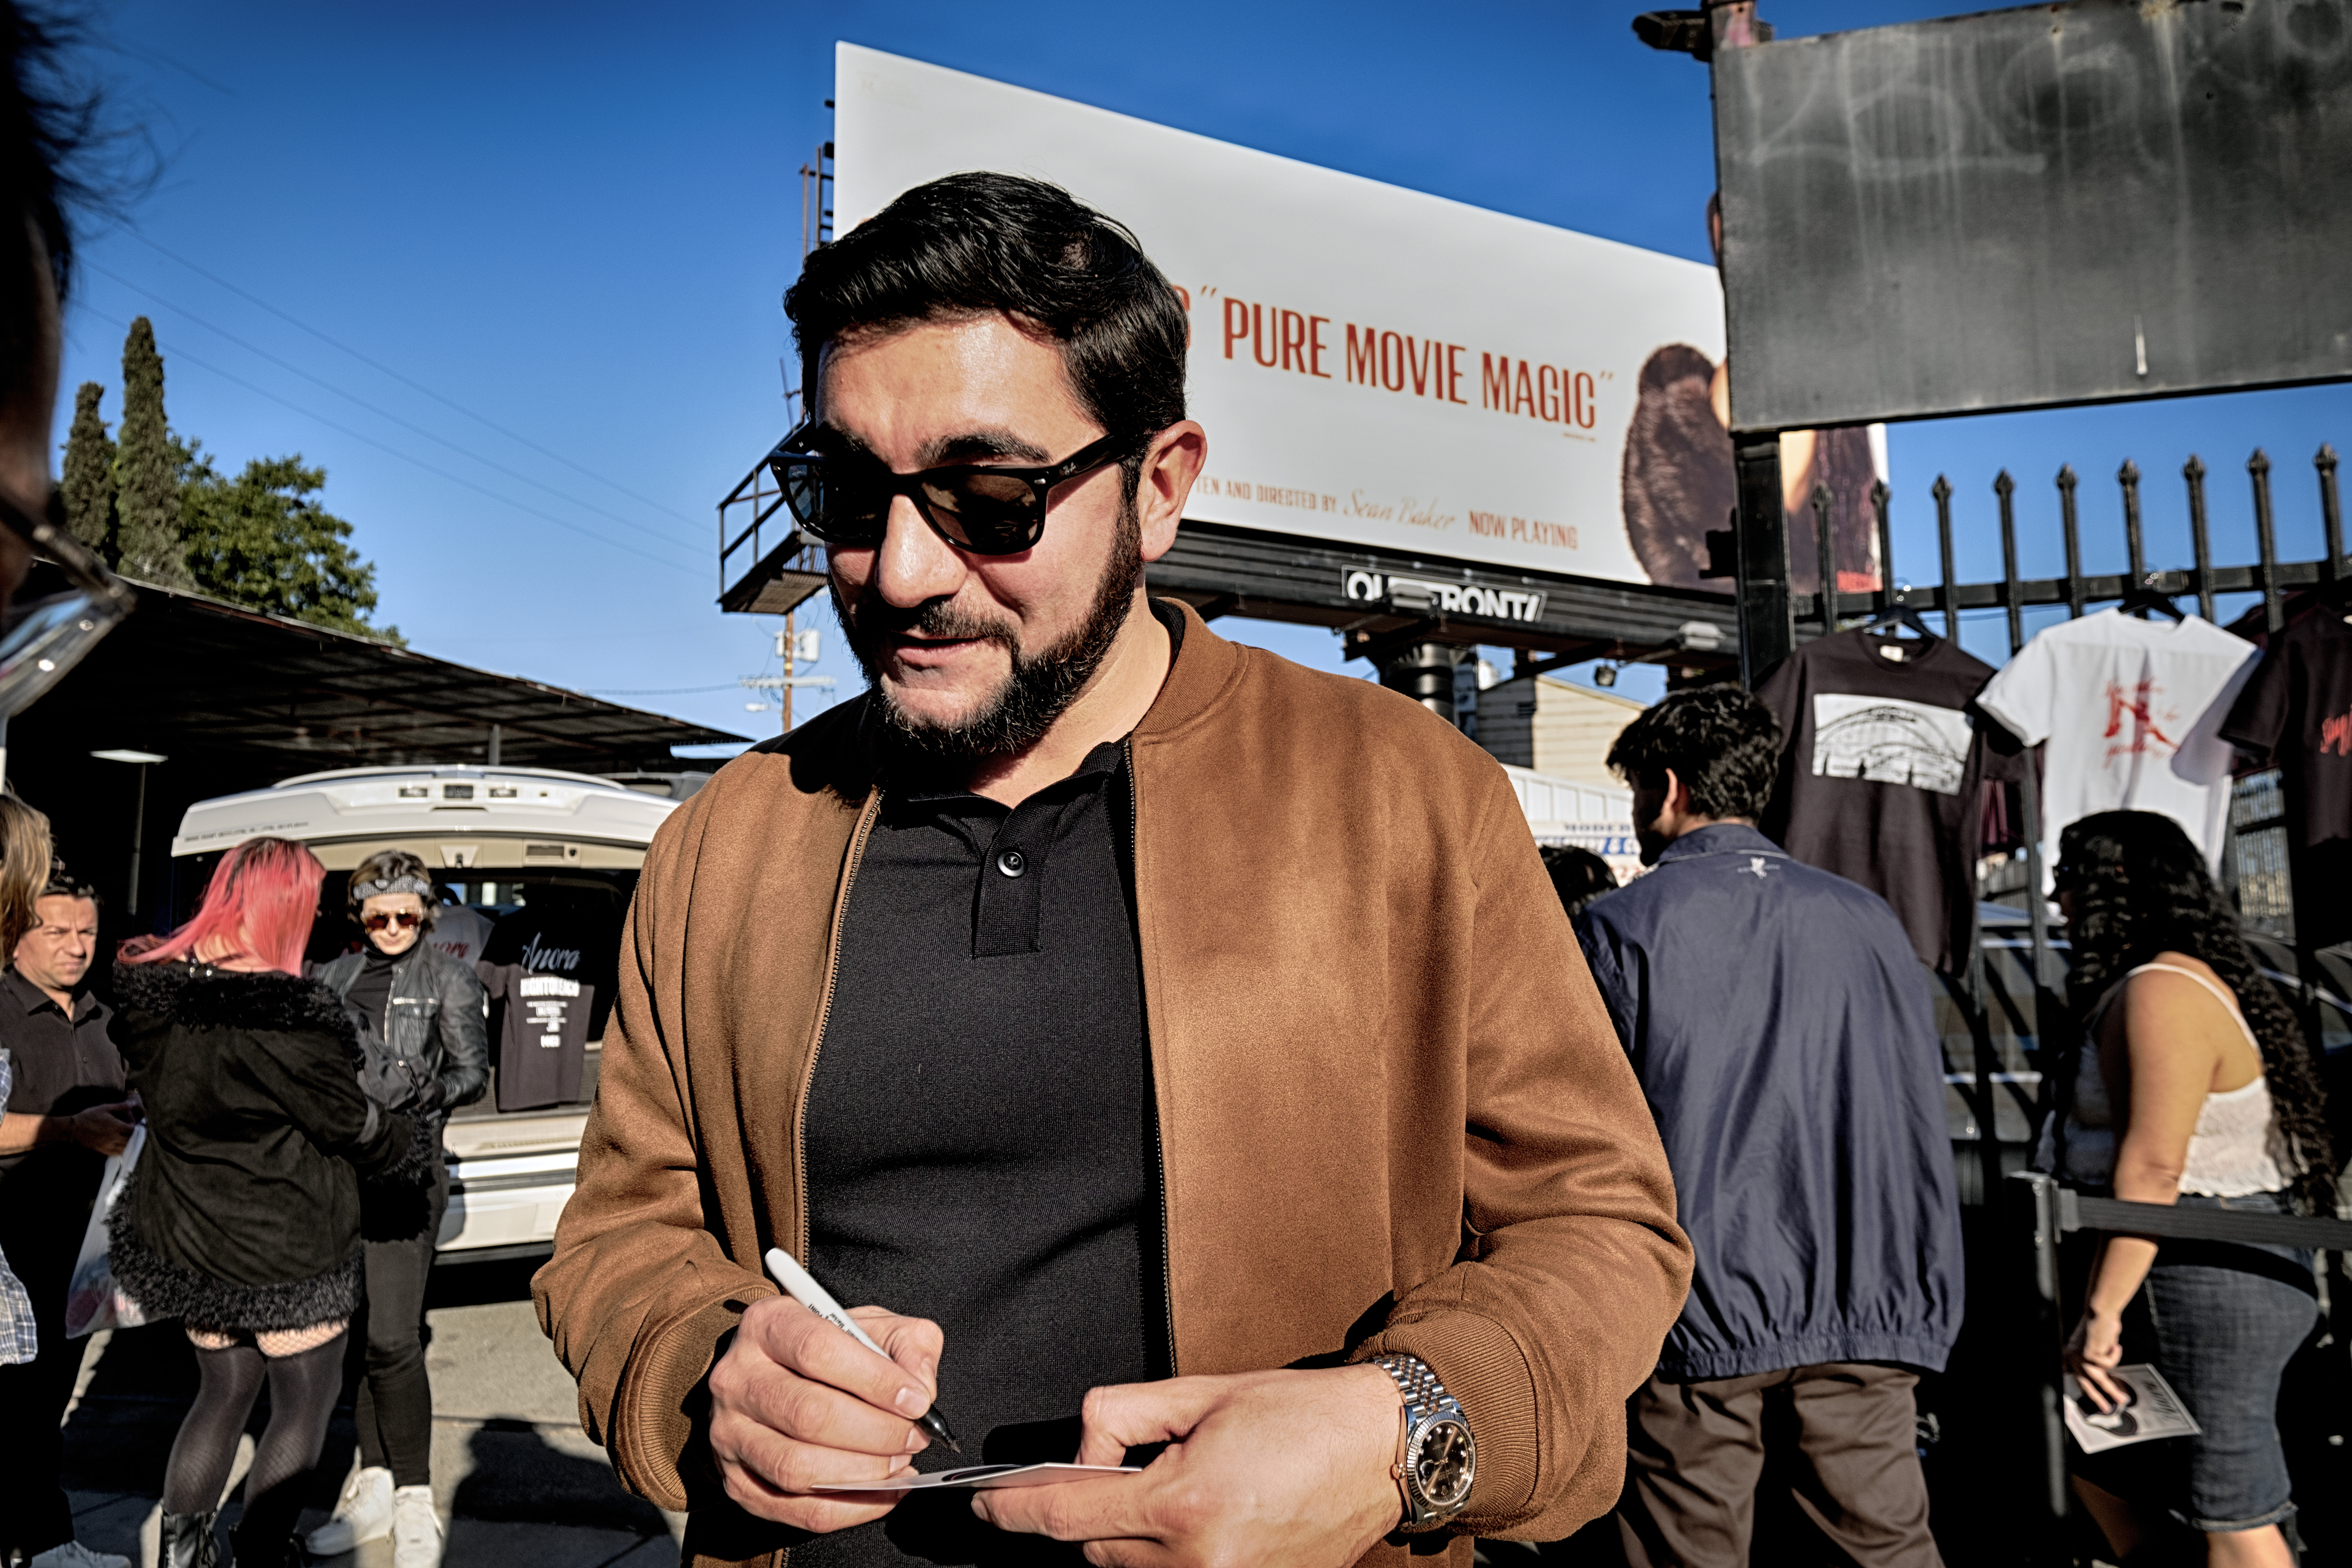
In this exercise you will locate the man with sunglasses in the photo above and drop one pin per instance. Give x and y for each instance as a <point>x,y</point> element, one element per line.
<point>1166,1049</point>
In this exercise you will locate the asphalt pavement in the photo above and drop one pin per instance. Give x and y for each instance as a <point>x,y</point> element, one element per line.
<point>516,1480</point>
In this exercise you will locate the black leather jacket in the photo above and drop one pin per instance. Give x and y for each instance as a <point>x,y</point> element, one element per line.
<point>437,1025</point>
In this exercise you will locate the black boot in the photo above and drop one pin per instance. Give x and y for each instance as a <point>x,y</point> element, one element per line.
<point>188,1541</point>
<point>269,1547</point>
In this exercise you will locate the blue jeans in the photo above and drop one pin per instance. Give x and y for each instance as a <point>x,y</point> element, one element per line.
<point>2220,1320</point>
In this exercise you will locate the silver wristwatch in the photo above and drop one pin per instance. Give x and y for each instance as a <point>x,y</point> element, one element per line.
<point>1436,1461</point>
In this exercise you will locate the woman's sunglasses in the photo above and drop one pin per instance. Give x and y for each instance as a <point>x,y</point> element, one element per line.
<point>984,510</point>
<point>404,919</point>
<point>41,640</point>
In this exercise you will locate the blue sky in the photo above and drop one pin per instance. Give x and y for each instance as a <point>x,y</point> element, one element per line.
<point>511,273</point>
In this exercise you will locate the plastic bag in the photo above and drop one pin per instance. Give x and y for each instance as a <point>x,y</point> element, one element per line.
<point>92,1302</point>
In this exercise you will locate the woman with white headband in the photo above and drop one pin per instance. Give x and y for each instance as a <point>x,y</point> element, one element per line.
<point>423,1014</point>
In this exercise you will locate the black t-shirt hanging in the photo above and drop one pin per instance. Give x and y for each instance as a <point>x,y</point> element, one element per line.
<point>2296,712</point>
<point>1882,765</point>
<point>576,935</point>
<point>543,1034</point>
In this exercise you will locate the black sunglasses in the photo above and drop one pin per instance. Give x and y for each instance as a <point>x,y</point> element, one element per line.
<point>984,510</point>
<point>41,640</point>
<point>406,917</point>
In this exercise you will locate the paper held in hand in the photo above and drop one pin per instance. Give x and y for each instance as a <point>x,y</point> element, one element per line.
<point>983,1476</point>
<point>2152,1411</point>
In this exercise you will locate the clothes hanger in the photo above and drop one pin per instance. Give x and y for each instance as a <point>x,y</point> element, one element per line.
<point>2140,600</point>
<point>1899,615</point>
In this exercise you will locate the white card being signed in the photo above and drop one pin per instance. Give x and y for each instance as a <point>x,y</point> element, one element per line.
<point>988,1475</point>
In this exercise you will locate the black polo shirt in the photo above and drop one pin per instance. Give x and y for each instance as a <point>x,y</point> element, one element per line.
<point>60,1065</point>
<point>982,1140</point>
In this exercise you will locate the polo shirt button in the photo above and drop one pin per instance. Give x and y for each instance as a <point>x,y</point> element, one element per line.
<point>1013,862</point>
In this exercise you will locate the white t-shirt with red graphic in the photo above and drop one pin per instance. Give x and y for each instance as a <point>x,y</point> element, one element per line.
<point>2130,715</point>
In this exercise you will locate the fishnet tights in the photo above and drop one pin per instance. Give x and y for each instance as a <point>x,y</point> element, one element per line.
<point>272,1342</point>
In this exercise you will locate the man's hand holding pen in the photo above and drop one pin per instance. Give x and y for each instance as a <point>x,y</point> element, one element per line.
<point>795,1402</point>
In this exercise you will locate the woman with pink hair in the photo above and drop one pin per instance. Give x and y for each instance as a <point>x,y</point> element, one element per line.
<point>243,1218</point>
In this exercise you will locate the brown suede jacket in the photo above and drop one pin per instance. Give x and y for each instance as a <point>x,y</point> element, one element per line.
<point>1394,1114</point>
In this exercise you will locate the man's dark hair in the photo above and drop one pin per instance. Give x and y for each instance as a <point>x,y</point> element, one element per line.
<point>972,244</point>
<point>1718,740</point>
<point>63,886</point>
<point>1578,875</point>
<point>44,126</point>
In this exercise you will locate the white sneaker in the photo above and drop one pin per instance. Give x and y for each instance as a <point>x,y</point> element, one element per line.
<point>74,1554</point>
<point>362,1513</point>
<point>415,1529</point>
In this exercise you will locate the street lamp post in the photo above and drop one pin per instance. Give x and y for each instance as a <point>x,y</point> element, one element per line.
<point>143,760</point>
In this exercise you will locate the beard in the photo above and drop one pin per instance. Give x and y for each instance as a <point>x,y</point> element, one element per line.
<point>1037,688</point>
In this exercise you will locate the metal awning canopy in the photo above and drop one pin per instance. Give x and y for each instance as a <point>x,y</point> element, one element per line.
<point>231,700</point>
<point>189,676</point>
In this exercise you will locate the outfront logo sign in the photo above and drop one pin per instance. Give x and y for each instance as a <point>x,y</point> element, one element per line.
<point>1421,595</point>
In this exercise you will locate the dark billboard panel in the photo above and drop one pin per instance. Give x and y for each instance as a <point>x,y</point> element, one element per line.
<point>2074,203</point>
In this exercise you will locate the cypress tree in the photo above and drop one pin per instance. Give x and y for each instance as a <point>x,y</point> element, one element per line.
<point>90,477</point>
<point>147,479</point>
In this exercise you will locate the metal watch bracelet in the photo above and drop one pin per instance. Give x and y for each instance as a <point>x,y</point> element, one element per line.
<point>1436,1462</point>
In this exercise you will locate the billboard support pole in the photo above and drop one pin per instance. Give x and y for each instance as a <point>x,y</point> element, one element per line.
<point>1766,632</point>
<point>1425,672</point>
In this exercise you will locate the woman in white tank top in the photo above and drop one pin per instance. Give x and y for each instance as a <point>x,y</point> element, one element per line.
<point>2194,1086</point>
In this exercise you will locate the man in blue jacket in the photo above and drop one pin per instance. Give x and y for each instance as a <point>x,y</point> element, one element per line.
<point>1783,1034</point>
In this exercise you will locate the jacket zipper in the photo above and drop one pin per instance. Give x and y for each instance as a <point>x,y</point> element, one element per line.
<point>1159,1147</point>
<point>824,1012</point>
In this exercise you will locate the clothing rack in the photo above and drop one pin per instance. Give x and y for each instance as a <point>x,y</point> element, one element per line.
<point>2012,594</point>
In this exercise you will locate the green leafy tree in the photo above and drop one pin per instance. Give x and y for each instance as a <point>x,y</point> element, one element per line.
<point>260,540</point>
<point>146,476</point>
<point>89,484</point>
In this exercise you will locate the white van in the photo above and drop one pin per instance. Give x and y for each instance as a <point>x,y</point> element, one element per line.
<point>494,836</point>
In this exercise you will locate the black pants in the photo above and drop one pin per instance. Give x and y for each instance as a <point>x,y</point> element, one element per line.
<point>394,1404</point>
<point>43,1210</point>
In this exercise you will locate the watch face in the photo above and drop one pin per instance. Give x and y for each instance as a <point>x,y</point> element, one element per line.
<point>1443,1463</point>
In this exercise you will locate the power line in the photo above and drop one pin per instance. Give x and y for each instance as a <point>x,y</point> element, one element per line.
<point>405,456</point>
<point>407,381</point>
<point>379,413</point>
<point>659,690</point>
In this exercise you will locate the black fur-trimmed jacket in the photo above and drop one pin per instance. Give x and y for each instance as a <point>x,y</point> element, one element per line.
<point>244,1211</point>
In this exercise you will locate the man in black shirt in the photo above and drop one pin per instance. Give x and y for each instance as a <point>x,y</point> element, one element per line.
<point>66,1115</point>
<point>1094,1007</point>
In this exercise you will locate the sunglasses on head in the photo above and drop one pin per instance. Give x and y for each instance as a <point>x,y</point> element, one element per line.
<point>404,919</point>
<point>982,510</point>
<point>40,641</point>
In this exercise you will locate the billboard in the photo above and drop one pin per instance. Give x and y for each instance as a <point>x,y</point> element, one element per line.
<point>1374,365</point>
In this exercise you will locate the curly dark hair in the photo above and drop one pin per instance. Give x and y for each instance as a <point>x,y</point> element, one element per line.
<point>1719,741</point>
<point>972,243</point>
<point>49,127</point>
<point>2140,888</point>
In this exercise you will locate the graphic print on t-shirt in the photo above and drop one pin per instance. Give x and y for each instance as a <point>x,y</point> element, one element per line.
<point>2143,702</point>
<point>1890,739</point>
<point>2335,734</point>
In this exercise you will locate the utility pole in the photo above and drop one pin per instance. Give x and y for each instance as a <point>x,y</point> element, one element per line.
<point>785,652</point>
<point>794,648</point>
